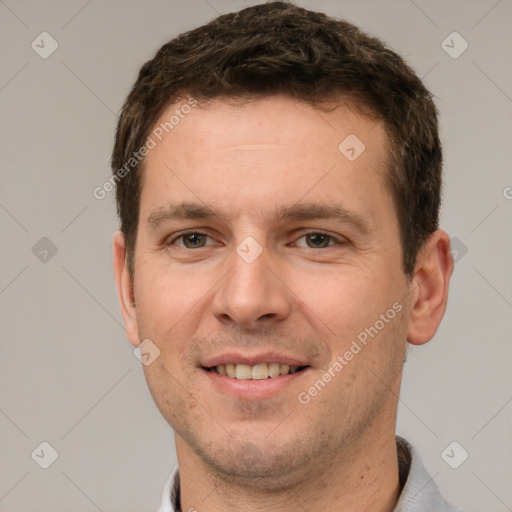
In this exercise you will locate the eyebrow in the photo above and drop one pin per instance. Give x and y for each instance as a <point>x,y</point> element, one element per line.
<point>296,212</point>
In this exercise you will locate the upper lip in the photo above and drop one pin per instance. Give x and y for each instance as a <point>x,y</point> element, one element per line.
<point>252,359</point>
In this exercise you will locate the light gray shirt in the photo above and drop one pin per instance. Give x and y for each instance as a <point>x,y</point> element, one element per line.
<point>419,492</point>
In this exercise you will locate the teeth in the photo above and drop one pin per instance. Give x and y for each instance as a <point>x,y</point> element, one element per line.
<point>257,372</point>
<point>274,369</point>
<point>243,371</point>
<point>230,370</point>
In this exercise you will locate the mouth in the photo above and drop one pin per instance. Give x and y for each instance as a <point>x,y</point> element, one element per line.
<point>260,371</point>
<point>250,376</point>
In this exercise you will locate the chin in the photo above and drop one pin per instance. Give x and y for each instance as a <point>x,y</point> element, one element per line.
<point>260,465</point>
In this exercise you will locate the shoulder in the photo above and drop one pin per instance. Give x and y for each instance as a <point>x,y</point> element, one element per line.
<point>419,493</point>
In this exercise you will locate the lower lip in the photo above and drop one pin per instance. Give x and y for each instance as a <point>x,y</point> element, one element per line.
<point>253,389</point>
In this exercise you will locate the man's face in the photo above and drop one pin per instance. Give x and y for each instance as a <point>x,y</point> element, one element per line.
<point>272,278</point>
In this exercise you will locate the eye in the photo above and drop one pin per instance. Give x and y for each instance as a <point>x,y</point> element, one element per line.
<point>191,240</point>
<point>318,240</point>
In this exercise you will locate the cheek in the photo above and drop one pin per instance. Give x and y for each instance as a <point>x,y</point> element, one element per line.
<point>347,319</point>
<point>167,391</point>
<point>345,301</point>
<point>165,297</point>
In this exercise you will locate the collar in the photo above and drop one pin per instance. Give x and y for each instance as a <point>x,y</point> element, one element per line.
<point>419,491</point>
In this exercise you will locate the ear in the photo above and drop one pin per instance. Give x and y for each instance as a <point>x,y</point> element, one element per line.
<point>434,267</point>
<point>125,290</point>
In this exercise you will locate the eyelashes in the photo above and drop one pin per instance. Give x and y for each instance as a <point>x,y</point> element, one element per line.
<point>194,240</point>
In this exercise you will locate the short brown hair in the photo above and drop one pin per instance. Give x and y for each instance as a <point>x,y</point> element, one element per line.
<point>279,48</point>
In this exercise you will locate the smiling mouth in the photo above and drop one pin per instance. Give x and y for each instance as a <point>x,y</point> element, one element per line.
<point>257,372</point>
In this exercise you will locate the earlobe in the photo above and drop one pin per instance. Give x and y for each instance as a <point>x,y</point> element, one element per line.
<point>431,278</point>
<point>125,289</point>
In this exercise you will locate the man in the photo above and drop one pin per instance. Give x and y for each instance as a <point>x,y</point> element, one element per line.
<point>278,180</point>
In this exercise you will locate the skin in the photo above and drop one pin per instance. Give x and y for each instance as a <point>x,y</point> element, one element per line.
<point>247,161</point>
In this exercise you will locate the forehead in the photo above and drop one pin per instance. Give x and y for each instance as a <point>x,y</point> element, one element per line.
<point>271,121</point>
<point>247,156</point>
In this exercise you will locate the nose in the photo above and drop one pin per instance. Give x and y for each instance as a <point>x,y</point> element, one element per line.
<point>252,293</point>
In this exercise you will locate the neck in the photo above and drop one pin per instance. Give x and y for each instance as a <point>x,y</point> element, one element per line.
<point>361,476</point>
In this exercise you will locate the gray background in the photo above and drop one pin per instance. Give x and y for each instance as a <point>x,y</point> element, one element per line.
<point>69,377</point>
